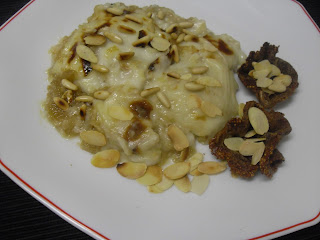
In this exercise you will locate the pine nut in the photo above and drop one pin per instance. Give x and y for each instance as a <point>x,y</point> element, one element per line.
<point>84,98</point>
<point>199,70</point>
<point>163,99</point>
<point>69,85</point>
<point>113,37</point>
<point>102,95</point>
<point>115,11</point>
<point>174,75</point>
<point>149,91</point>
<point>133,19</point>
<point>61,103</point>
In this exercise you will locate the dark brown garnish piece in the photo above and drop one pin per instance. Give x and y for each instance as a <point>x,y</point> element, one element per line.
<point>238,127</point>
<point>268,52</point>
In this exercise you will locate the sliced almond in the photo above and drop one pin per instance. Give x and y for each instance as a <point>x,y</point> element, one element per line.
<point>86,53</point>
<point>183,184</point>
<point>212,167</point>
<point>177,170</point>
<point>101,94</point>
<point>256,157</point>
<point>264,82</point>
<point>192,86</point>
<point>262,65</point>
<point>94,138</point>
<point>258,120</point>
<point>195,172</point>
<point>199,70</point>
<point>95,40</point>
<point>106,159</point>
<point>250,134</point>
<point>199,184</point>
<point>152,176</point>
<point>210,109</point>
<point>149,91</point>
<point>120,113</point>
<point>132,170</point>
<point>160,44</point>
<point>275,71</point>
<point>178,138</point>
<point>233,143</point>
<point>256,139</point>
<point>286,80</point>
<point>184,154</point>
<point>164,185</point>
<point>261,73</point>
<point>195,160</point>
<point>248,148</point>
<point>240,110</point>
<point>209,81</point>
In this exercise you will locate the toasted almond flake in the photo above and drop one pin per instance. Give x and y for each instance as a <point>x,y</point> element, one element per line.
<point>210,109</point>
<point>160,44</point>
<point>86,53</point>
<point>195,172</point>
<point>174,75</point>
<point>84,98</point>
<point>120,113</point>
<point>195,160</point>
<point>125,29</point>
<point>275,71</point>
<point>233,143</point>
<point>256,139</point>
<point>286,80</point>
<point>260,74</point>
<point>258,120</point>
<point>248,148</point>
<point>83,111</point>
<point>184,154</point>
<point>174,51</point>
<point>164,185</point>
<point>101,94</point>
<point>209,81</point>
<point>186,24</point>
<point>163,99</point>
<point>131,170</point>
<point>125,55</point>
<point>133,18</point>
<point>199,184</point>
<point>142,42</point>
<point>177,170</point>
<point>152,176</point>
<point>106,159</point>
<point>94,138</point>
<point>95,40</point>
<point>262,65</point>
<point>149,91</point>
<point>99,68</point>
<point>115,11</point>
<point>250,134</point>
<point>199,70</point>
<point>212,167</point>
<point>69,85</point>
<point>160,15</point>
<point>192,86</point>
<point>172,28</point>
<point>180,38</point>
<point>264,82</point>
<point>266,90</point>
<point>113,37</point>
<point>251,73</point>
<point>61,103</point>
<point>183,184</point>
<point>241,107</point>
<point>178,138</point>
<point>256,157</point>
<point>194,101</point>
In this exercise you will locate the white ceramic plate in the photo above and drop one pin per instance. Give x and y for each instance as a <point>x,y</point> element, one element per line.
<point>103,204</point>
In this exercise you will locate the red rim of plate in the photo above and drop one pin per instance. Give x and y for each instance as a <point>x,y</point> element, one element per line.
<point>94,231</point>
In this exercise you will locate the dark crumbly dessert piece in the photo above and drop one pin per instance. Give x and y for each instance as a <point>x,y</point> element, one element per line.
<point>268,52</point>
<point>238,127</point>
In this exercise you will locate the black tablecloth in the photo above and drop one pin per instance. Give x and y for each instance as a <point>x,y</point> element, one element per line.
<point>22,217</point>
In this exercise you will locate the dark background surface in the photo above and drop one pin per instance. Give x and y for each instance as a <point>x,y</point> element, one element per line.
<point>23,217</point>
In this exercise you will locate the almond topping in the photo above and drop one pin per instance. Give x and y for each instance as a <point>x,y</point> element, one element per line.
<point>199,184</point>
<point>256,157</point>
<point>94,138</point>
<point>178,138</point>
<point>212,167</point>
<point>115,11</point>
<point>106,159</point>
<point>95,40</point>
<point>258,120</point>
<point>160,44</point>
<point>195,160</point>
<point>210,109</point>
<point>164,185</point>
<point>152,176</point>
<point>248,148</point>
<point>183,184</point>
<point>177,170</point>
<point>233,143</point>
<point>131,170</point>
